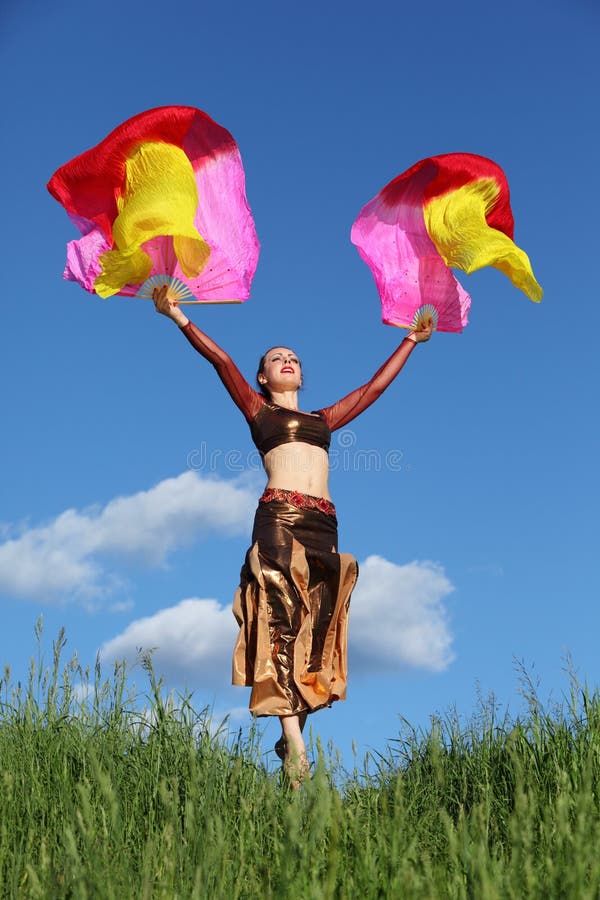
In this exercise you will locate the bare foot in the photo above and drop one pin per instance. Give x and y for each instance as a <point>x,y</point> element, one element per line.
<point>296,769</point>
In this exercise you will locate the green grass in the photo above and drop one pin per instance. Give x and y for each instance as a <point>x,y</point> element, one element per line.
<point>102,797</point>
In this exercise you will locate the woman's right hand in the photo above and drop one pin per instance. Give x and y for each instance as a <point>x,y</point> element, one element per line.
<point>167,307</point>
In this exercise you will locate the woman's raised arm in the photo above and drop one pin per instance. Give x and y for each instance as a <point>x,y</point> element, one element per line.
<point>245,398</point>
<point>351,406</point>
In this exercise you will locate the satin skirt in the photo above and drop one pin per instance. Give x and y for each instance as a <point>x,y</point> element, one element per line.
<point>292,609</point>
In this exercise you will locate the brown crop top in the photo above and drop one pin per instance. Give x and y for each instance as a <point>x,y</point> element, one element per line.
<point>272,425</point>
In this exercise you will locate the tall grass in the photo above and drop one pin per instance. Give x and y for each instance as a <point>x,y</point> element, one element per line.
<point>101,797</point>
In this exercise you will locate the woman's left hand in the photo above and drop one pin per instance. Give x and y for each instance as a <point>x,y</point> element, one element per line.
<point>418,336</point>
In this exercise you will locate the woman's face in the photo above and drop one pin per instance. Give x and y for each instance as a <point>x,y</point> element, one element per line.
<point>281,370</point>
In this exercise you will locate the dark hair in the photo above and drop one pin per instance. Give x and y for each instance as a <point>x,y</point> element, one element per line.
<point>261,368</point>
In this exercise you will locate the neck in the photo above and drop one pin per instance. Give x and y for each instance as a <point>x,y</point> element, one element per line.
<point>288,399</point>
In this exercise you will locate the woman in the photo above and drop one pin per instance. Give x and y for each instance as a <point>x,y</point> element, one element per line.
<point>295,588</point>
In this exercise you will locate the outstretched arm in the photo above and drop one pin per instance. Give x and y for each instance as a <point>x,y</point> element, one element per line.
<point>353,404</point>
<point>245,398</point>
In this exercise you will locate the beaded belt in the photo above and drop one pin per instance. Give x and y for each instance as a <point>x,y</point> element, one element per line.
<point>295,498</point>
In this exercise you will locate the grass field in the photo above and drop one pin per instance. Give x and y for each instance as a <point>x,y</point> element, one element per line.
<point>102,797</point>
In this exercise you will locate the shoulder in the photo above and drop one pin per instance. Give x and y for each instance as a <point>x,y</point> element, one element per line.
<point>262,404</point>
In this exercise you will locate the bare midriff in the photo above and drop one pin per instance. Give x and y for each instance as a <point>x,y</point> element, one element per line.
<point>298,467</point>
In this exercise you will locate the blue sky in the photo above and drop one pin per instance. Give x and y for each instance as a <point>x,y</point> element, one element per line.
<point>477,532</point>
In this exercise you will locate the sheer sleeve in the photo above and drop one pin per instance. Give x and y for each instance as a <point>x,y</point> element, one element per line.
<point>245,398</point>
<point>353,404</point>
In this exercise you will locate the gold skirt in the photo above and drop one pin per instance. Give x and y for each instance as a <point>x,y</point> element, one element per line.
<point>292,609</point>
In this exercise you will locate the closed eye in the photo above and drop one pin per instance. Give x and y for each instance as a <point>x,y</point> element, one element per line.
<point>278,356</point>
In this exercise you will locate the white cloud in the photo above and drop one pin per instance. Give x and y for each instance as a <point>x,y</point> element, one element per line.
<point>192,641</point>
<point>397,617</point>
<point>397,621</point>
<point>82,691</point>
<point>121,606</point>
<point>68,556</point>
<point>235,716</point>
<point>226,724</point>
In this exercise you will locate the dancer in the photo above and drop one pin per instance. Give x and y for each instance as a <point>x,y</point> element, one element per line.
<point>292,602</point>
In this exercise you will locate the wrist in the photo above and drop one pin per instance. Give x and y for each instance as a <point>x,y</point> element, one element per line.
<point>180,319</point>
